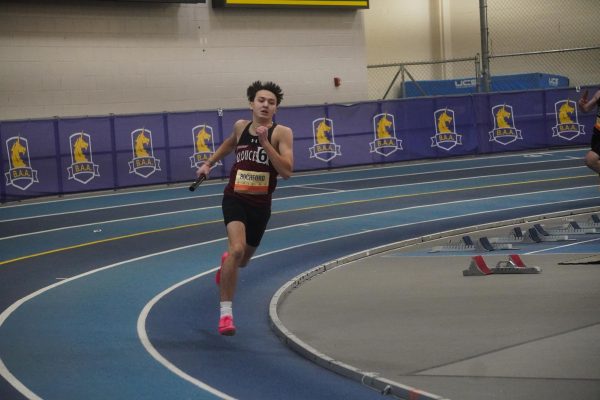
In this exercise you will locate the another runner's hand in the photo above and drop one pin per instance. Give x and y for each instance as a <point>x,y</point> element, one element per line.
<point>583,100</point>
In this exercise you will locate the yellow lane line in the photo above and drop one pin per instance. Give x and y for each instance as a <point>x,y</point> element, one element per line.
<point>77,246</point>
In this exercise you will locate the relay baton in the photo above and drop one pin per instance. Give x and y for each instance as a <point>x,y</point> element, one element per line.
<point>197,182</point>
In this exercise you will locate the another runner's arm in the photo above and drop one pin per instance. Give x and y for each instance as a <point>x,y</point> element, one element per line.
<point>586,105</point>
<point>223,150</point>
<point>282,155</point>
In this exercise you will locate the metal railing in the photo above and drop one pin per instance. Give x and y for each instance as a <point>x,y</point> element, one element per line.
<point>580,65</point>
<point>387,81</point>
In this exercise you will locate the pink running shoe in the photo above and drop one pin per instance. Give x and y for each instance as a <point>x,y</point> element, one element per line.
<point>218,275</point>
<point>226,326</point>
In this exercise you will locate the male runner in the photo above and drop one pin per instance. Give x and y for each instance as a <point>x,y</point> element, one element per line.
<point>263,150</point>
<point>592,158</point>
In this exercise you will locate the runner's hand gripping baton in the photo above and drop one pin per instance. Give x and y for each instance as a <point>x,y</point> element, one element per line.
<point>197,182</point>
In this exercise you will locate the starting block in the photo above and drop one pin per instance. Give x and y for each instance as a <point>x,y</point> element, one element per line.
<point>469,245</point>
<point>576,227</point>
<point>478,267</point>
<point>537,234</point>
<point>593,223</point>
<point>514,265</point>
<point>573,228</point>
<point>486,244</point>
<point>515,236</point>
<point>466,245</point>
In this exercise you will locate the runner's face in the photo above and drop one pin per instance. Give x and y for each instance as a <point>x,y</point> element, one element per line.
<point>264,104</point>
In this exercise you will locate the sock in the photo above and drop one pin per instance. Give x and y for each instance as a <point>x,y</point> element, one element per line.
<point>226,308</point>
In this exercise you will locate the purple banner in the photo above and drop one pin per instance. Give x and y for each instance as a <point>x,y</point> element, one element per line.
<point>564,124</point>
<point>86,154</point>
<point>515,121</point>
<point>193,138</point>
<point>228,119</point>
<point>30,163</point>
<point>141,150</point>
<point>309,154</point>
<point>354,133</point>
<point>56,156</point>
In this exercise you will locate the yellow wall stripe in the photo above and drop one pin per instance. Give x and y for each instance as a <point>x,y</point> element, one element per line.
<point>345,3</point>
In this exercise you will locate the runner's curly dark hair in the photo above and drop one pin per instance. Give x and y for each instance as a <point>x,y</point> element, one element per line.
<point>270,86</point>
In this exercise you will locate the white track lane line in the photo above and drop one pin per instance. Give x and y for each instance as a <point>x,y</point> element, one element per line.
<point>275,200</point>
<point>330,173</point>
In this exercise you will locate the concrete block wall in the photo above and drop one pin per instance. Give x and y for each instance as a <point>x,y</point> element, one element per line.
<point>89,57</point>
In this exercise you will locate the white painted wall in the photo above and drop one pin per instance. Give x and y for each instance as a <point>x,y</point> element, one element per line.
<point>407,30</point>
<point>402,30</point>
<point>518,26</point>
<point>92,57</point>
<point>73,58</point>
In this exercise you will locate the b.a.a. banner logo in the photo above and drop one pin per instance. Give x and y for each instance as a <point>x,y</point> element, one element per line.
<point>384,129</point>
<point>445,133</point>
<point>143,162</point>
<point>567,124</point>
<point>82,167</point>
<point>504,131</point>
<point>204,145</point>
<point>324,147</point>
<point>20,174</point>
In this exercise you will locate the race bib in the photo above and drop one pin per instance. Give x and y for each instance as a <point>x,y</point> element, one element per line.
<point>251,182</point>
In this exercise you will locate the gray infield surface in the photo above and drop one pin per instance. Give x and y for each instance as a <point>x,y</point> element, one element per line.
<point>411,317</point>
